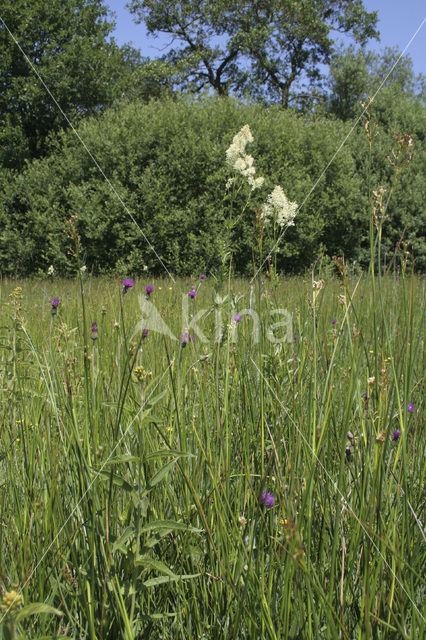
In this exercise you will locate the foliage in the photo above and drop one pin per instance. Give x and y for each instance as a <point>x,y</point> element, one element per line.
<point>66,53</point>
<point>132,473</point>
<point>357,74</point>
<point>167,170</point>
<point>259,48</point>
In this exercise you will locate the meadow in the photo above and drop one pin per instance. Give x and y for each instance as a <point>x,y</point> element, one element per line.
<point>242,462</point>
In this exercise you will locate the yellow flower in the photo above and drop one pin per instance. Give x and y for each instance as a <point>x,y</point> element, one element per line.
<point>11,600</point>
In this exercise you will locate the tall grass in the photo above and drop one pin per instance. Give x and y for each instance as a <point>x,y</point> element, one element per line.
<point>132,470</point>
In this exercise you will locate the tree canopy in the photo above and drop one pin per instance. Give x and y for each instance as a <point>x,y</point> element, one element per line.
<point>262,48</point>
<point>66,43</point>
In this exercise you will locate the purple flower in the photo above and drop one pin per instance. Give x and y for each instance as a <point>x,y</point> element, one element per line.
<point>410,407</point>
<point>55,305</point>
<point>144,334</point>
<point>192,293</point>
<point>94,334</point>
<point>396,435</point>
<point>365,395</point>
<point>334,321</point>
<point>237,318</point>
<point>267,499</point>
<point>202,276</point>
<point>148,290</point>
<point>295,336</point>
<point>127,284</point>
<point>186,337</point>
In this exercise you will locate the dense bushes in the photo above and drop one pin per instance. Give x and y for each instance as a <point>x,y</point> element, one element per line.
<point>166,164</point>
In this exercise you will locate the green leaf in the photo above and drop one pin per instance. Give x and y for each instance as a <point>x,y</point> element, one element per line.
<point>153,582</point>
<point>119,545</point>
<point>35,609</point>
<point>161,473</point>
<point>150,563</point>
<point>169,524</point>
<point>164,453</point>
<point>117,480</point>
<point>123,458</point>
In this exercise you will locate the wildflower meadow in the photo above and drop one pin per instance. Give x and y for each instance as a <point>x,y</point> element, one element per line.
<point>213,456</point>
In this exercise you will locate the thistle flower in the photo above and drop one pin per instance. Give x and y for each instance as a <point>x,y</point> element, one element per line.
<point>396,435</point>
<point>94,334</point>
<point>334,321</point>
<point>148,290</point>
<point>186,337</point>
<point>267,499</point>
<point>410,407</point>
<point>55,305</point>
<point>127,284</point>
<point>237,318</point>
<point>279,208</point>
<point>202,276</point>
<point>144,334</point>
<point>192,293</point>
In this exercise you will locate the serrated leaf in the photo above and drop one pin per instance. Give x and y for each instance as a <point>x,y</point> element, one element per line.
<point>153,582</point>
<point>150,563</point>
<point>119,545</point>
<point>169,524</point>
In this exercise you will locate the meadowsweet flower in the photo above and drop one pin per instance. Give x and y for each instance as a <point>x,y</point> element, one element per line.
<point>279,208</point>
<point>238,145</point>
<point>127,284</point>
<point>55,304</point>
<point>396,435</point>
<point>267,499</point>
<point>51,270</point>
<point>240,161</point>
<point>148,290</point>
<point>94,334</point>
<point>410,407</point>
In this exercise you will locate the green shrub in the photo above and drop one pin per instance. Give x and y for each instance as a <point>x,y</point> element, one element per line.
<point>165,164</point>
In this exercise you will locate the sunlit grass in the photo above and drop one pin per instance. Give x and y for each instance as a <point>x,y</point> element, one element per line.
<point>132,471</point>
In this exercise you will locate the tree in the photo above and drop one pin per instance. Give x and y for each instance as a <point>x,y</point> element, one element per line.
<point>66,43</point>
<point>262,46</point>
<point>357,74</point>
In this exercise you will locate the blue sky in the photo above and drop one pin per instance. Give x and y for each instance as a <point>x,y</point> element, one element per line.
<point>398,22</point>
